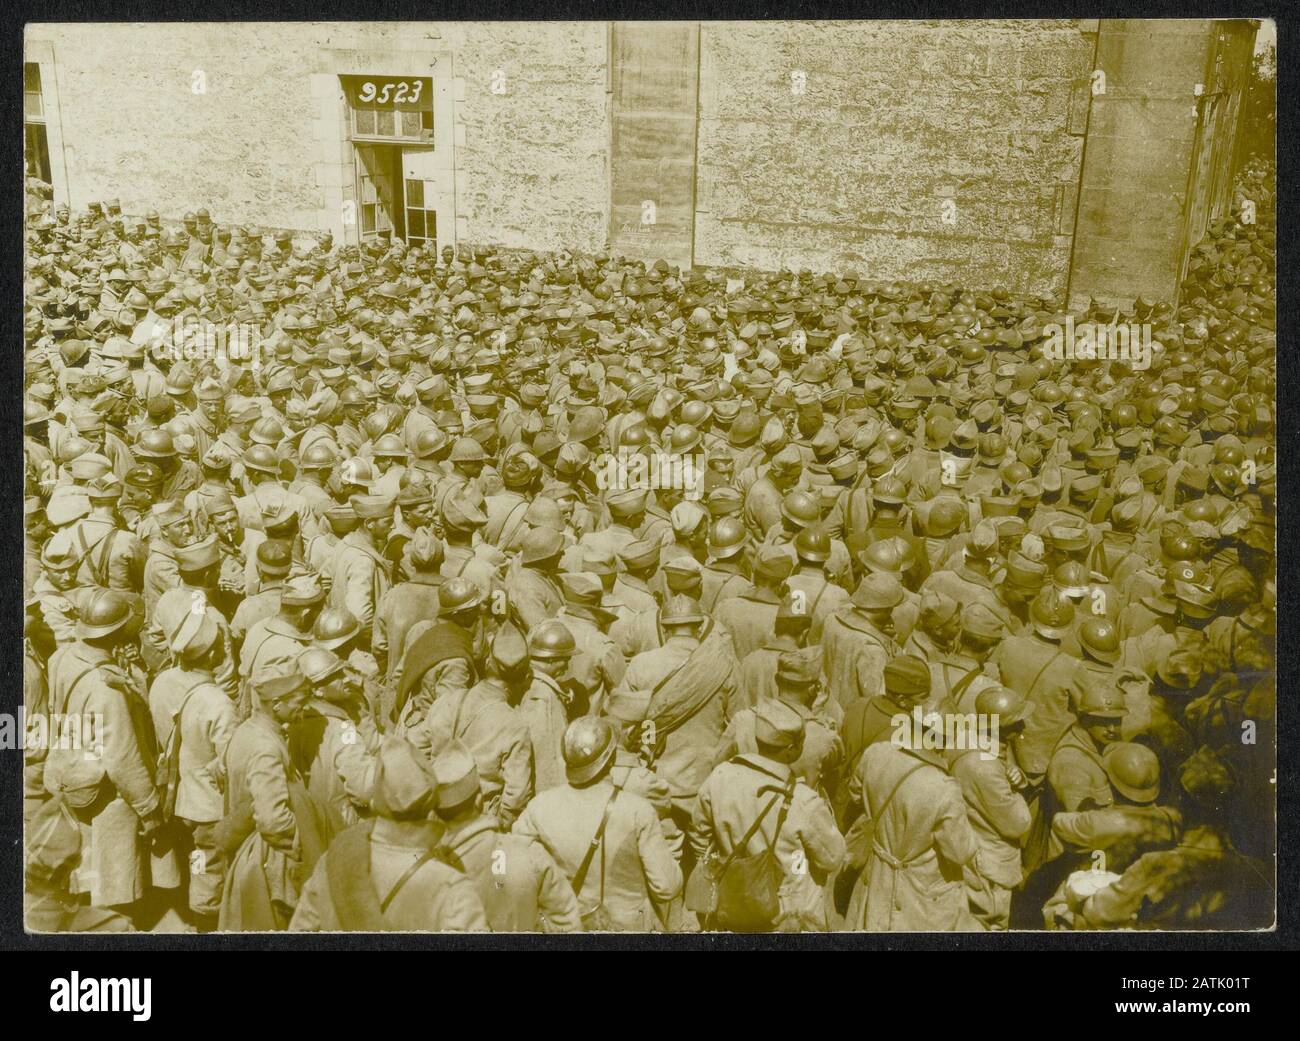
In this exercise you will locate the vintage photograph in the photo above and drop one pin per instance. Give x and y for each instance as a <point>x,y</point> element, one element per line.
<point>662,477</point>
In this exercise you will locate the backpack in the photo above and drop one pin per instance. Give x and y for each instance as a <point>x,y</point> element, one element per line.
<point>747,886</point>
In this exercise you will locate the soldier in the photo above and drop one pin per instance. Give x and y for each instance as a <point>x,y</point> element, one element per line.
<point>276,642</point>
<point>392,873</point>
<point>104,774</point>
<point>520,884</point>
<point>606,840</point>
<point>797,683</point>
<point>922,842</point>
<point>992,785</point>
<point>756,801</point>
<point>333,739</point>
<point>194,719</point>
<point>409,600</point>
<point>694,693</point>
<point>272,831</point>
<point>359,572</point>
<point>819,596</point>
<point>531,588</point>
<point>750,616</point>
<point>440,657</point>
<point>859,639</point>
<point>483,720</point>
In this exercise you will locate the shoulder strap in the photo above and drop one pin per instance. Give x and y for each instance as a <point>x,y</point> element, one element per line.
<point>1039,675</point>
<point>407,875</point>
<point>878,814</point>
<point>784,796</point>
<point>503,537</point>
<point>959,688</point>
<point>581,876</point>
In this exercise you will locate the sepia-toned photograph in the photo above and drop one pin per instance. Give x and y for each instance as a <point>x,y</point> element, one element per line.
<point>648,477</point>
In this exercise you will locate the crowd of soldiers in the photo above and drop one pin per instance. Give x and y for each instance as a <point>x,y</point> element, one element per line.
<point>498,590</point>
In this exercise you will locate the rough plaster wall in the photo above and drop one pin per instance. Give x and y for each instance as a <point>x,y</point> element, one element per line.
<point>897,116</point>
<point>532,162</point>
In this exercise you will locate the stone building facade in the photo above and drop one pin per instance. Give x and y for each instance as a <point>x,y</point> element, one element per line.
<point>977,152</point>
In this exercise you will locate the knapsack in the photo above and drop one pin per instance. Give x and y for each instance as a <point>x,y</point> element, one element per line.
<point>747,886</point>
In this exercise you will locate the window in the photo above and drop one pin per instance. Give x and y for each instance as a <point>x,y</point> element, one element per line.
<point>388,109</point>
<point>36,148</point>
<point>421,220</point>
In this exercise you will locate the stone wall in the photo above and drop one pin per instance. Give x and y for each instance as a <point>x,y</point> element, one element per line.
<point>531,162</point>
<point>894,119</point>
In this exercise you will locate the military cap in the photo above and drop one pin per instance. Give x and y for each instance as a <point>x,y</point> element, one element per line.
<point>457,776</point>
<point>640,554</point>
<point>60,552</point>
<point>878,591</point>
<point>165,513</point>
<point>278,681</point>
<point>274,557</point>
<point>777,725</point>
<point>198,555</point>
<point>302,587</point>
<point>681,609</point>
<point>799,668</point>
<point>581,588</point>
<point>983,539</point>
<point>510,650</point>
<point>404,785</point>
<point>370,507</point>
<point>687,516</point>
<point>194,634</point>
<point>982,623</point>
<point>65,506</point>
<point>461,512</point>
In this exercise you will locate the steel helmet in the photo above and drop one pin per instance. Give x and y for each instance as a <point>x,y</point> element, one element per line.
<point>812,543</point>
<point>1100,639</point>
<point>335,627</point>
<point>1002,702</point>
<point>727,538</point>
<point>1134,770</point>
<point>262,458</point>
<point>107,612</point>
<point>550,640</point>
<point>320,456</point>
<point>319,664</point>
<point>1051,613</point>
<point>458,594</point>
<point>801,508</point>
<point>389,446</point>
<point>266,432</point>
<point>588,748</point>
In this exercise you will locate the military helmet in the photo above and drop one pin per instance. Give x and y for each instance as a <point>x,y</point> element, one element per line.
<point>334,627</point>
<point>1134,771</point>
<point>813,544</point>
<point>588,747</point>
<point>549,640</point>
<point>1100,639</point>
<point>261,458</point>
<point>800,508</point>
<point>458,594</point>
<point>727,538</point>
<point>107,612</point>
<point>1006,704</point>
